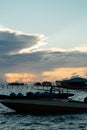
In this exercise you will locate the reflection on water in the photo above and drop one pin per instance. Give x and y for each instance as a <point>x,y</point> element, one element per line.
<point>11,120</point>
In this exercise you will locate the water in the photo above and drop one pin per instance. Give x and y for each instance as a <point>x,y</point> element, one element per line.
<point>10,120</point>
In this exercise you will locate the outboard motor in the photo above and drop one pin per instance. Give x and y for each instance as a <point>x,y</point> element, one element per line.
<point>30,94</point>
<point>20,95</point>
<point>85,99</point>
<point>46,94</point>
<point>38,94</point>
<point>12,94</point>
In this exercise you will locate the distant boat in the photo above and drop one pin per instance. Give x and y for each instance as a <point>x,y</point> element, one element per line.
<point>15,83</point>
<point>73,83</point>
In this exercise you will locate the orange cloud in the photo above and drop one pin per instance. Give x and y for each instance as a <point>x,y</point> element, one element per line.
<point>56,74</point>
<point>22,77</point>
<point>61,73</point>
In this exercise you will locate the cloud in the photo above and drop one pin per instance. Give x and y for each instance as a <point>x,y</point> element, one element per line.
<point>40,61</point>
<point>81,48</point>
<point>62,73</point>
<point>20,54</point>
<point>13,42</point>
<point>23,77</point>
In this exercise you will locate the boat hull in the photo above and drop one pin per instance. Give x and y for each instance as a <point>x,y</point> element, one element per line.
<point>44,106</point>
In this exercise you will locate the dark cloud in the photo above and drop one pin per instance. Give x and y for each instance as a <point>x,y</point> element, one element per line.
<point>34,61</point>
<point>13,41</point>
<point>42,61</point>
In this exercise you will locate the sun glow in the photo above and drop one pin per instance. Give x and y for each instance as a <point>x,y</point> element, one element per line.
<point>61,73</point>
<point>56,74</point>
<point>22,77</point>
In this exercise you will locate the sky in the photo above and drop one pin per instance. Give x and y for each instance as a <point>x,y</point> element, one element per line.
<point>42,40</point>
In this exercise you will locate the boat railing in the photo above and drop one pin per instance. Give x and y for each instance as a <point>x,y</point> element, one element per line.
<point>25,88</point>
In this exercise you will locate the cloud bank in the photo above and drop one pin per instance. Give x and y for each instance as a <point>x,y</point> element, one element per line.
<point>13,42</point>
<point>20,53</point>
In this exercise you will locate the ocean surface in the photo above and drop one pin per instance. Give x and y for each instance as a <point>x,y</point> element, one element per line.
<point>10,120</point>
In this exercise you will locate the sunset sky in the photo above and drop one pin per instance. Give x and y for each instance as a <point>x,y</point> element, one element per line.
<point>42,40</point>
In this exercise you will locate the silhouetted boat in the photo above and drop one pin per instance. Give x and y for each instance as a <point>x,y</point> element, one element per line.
<point>40,103</point>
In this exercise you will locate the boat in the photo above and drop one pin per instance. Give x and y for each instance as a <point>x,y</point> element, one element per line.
<point>43,103</point>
